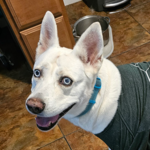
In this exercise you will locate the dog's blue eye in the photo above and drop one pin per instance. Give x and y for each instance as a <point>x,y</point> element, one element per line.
<point>37,73</point>
<point>66,81</point>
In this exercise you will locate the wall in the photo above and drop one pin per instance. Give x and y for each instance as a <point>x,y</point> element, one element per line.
<point>67,2</point>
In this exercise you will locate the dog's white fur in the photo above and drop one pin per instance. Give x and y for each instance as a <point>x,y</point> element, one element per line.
<point>82,64</point>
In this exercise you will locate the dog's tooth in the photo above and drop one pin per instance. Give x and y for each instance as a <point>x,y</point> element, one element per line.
<point>50,123</point>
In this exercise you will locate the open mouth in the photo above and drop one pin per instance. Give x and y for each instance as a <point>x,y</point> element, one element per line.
<point>47,123</point>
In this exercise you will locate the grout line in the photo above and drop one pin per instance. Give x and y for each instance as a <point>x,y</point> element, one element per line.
<point>59,139</point>
<point>72,132</point>
<point>68,143</point>
<point>68,133</point>
<point>61,130</point>
<point>128,50</point>
<point>140,25</point>
<point>49,143</point>
<point>139,4</point>
<point>136,20</point>
<point>64,137</point>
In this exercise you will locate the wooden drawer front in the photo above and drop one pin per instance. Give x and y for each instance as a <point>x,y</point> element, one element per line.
<point>27,13</point>
<point>31,36</point>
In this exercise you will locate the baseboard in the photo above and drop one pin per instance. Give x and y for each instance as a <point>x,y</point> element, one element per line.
<point>68,2</point>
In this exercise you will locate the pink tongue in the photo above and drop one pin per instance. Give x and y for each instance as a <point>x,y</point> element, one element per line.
<point>45,121</point>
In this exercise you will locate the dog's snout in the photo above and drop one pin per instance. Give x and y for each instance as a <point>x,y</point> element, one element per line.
<point>35,105</point>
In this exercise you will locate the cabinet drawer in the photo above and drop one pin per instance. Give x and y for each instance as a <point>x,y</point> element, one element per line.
<point>31,36</point>
<point>27,13</point>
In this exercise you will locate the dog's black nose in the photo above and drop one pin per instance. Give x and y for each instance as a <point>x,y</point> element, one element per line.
<point>35,105</point>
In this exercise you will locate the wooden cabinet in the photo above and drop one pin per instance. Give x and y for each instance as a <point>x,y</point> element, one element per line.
<point>31,36</point>
<point>30,12</point>
<point>25,17</point>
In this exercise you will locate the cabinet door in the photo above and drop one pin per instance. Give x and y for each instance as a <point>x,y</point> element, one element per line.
<point>27,13</point>
<point>31,36</point>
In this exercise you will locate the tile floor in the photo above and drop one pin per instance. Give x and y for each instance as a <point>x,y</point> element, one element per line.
<point>131,32</point>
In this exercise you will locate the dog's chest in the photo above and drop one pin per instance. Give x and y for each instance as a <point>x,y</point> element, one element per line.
<point>131,123</point>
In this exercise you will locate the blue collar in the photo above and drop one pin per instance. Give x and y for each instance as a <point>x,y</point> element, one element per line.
<point>92,100</point>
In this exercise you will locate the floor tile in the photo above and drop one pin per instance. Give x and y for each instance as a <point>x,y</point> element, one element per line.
<point>139,54</point>
<point>67,127</point>
<point>141,15</point>
<point>82,140</point>
<point>19,131</point>
<point>127,33</point>
<point>138,2</point>
<point>60,144</point>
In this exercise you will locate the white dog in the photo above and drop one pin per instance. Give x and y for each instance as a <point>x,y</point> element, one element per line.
<point>63,84</point>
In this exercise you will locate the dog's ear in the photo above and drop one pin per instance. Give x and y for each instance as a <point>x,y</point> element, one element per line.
<point>89,47</point>
<point>48,34</point>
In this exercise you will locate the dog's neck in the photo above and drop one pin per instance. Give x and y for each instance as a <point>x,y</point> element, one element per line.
<point>101,114</point>
<point>92,100</point>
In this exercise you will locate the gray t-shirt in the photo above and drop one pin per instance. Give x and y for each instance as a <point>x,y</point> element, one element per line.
<point>130,127</point>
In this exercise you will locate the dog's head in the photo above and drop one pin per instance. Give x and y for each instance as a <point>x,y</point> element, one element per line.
<point>63,79</point>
